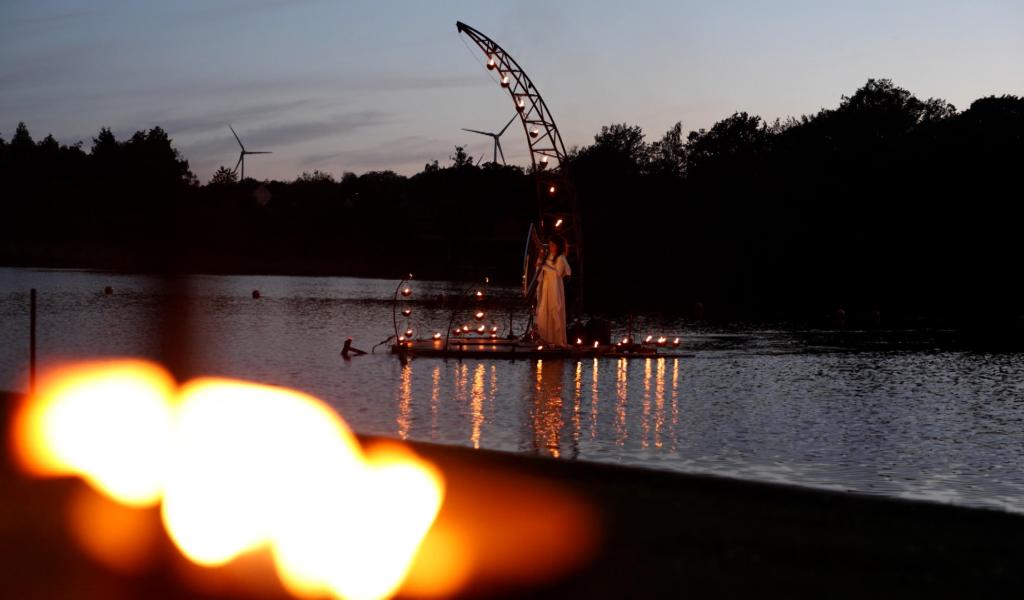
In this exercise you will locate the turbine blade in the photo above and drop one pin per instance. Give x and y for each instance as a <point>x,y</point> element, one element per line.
<point>240,157</point>
<point>502,152</point>
<point>507,124</point>
<point>236,137</point>
<point>259,152</point>
<point>478,131</point>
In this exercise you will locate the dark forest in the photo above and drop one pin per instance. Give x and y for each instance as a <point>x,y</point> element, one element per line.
<point>902,212</point>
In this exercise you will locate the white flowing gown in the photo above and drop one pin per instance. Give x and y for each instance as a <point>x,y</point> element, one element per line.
<point>551,301</point>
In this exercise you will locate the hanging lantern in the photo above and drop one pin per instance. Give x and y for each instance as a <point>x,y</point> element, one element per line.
<point>534,132</point>
<point>520,104</point>
<point>551,190</point>
<point>479,295</point>
<point>558,223</point>
<point>540,347</point>
<point>543,162</point>
<point>625,340</point>
<point>401,339</point>
<point>578,341</point>
<point>479,316</point>
<point>675,343</point>
<point>662,340</point>
<point>504,81</point>
<point>494,335</point>
<point>408,333</point>
<point>406,311</point>
<point>647,340</point>
<point>437,335</point>
<point>407,291</point>
<point>492,64</point>
<point>494,328</point>
<point>481,329</point>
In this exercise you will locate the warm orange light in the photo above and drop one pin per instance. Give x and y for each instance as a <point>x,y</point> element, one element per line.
<point>492,64</point>
<point>675,342</point>
<point>479,295</point>
<point>662,340</point>
<point>579,341</point>
<point>596,344</point>
<point>647,340</point>
<point>437,335</point>
<point>558,223</point>
<point>407,291</point>
<point>625,340</point>
<point>504,81</point>
<point>289,477</point>
<point>406,311</point>
<point>75,426</point>
<point>494,328</point>
<point>552,190</point>
<point>540,347</point>
<point>479,315</point>
<point>520,104</point>
<point>543,162</point>
<point>481,329</point>
<point>408,333</point>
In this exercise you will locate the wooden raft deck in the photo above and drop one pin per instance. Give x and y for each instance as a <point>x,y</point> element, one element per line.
<point>512,349</point>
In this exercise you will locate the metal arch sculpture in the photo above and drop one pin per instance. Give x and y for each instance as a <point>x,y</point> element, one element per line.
<point>556,197</point>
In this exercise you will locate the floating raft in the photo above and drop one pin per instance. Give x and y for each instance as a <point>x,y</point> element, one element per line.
<point>511,349</point>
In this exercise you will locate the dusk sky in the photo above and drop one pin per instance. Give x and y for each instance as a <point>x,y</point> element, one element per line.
<point>358,86</point>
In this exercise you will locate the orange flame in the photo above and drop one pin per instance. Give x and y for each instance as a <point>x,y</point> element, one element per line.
<point>237,466</point>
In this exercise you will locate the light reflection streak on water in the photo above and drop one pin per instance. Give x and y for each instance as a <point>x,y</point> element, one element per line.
<point>577,400</point>
<point>645,423</point>
<point>404,401</point>
<point>659,401</point>
<point>547,407</point>
<point>593,401</point>
<point>477,403</point>
<point>675,402</point>
<point>622,397</point>
<point>435,400</point>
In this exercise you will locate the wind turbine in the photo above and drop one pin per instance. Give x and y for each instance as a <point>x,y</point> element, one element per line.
<point>241,157</point>
<point>497,139</point>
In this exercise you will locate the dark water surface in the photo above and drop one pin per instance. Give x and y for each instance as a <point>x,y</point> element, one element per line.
<point>880,413</point>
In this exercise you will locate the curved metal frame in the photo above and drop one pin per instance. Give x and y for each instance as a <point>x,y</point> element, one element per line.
<point>556,196</point>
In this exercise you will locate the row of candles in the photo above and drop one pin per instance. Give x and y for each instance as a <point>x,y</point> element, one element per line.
<point>660,341</point>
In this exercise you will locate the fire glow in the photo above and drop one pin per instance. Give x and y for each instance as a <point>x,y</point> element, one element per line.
<point>289,476</point>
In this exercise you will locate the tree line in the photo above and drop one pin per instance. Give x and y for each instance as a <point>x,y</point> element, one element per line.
<point>884,207</point>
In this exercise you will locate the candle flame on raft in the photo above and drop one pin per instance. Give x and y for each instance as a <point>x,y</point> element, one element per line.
<point>336,520</point>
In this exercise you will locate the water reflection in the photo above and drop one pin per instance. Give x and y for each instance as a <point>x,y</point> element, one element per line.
<point>622,398</point>
<point>594,394</point>
<point>477,404</point>
<point>546,415</point>
<point>875,415</point>
<point>675,402</point>
<point>404,401</point>
<point>435,400</point>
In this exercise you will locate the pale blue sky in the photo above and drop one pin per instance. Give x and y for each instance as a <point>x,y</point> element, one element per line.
<point>354,86</point>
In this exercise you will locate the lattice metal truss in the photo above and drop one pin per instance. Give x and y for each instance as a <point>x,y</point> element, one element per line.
<point>556,197</point>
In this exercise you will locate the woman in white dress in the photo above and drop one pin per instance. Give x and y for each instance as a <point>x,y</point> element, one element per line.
<point>550,317</point>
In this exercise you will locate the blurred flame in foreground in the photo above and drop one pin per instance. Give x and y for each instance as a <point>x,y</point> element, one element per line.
<point>238,467</point>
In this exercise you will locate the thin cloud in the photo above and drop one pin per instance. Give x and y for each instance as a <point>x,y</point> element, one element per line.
<point>278,136</point>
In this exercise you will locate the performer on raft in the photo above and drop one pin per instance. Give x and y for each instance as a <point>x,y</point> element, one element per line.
<point>550,317</point>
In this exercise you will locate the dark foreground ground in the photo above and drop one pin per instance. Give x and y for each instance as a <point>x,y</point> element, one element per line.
<point>660,535</point>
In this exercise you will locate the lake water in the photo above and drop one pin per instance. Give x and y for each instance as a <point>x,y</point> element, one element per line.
<point>879,413</point>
